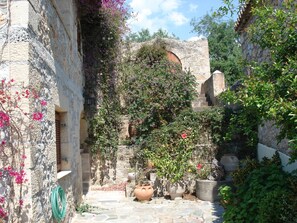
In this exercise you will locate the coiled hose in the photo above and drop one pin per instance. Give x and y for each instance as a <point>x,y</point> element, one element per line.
<point>58,201</point>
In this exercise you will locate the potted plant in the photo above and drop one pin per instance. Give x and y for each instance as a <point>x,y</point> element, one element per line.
<point>170,152</point>
<point>143,190</point>
<point>210,176</point>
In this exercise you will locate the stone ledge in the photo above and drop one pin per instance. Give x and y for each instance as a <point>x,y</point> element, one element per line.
<point>62,174</point>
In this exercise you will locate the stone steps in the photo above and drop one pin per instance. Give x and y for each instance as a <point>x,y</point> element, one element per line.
<point>200,103</point>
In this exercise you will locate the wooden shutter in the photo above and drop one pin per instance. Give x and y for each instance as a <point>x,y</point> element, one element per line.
<point>58,141</point>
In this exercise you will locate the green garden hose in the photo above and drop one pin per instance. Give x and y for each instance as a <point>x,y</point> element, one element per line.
<point>58,201</point>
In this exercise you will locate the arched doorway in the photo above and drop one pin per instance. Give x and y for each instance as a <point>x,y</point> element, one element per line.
<point>173,58</point>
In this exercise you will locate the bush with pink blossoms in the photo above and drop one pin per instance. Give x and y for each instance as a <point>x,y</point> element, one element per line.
<point>16,125</point>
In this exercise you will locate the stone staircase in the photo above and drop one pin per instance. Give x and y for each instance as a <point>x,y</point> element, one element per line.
<point>201,103</point>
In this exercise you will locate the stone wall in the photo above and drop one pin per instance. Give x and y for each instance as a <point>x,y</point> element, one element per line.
<point>40,47</point>
<point>193,55</point>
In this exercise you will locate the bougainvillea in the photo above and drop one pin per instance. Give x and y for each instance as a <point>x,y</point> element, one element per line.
<point>16,125</point>
<point>103,24</point>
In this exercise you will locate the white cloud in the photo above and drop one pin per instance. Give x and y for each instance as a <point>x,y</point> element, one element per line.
<point>170,5</point>
<point>195,38</point>
<point>156,14</point>
<point>193,7</point>
<point>178,18</point>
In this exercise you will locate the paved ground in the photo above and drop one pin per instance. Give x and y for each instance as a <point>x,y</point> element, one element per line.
<point>114,207</point>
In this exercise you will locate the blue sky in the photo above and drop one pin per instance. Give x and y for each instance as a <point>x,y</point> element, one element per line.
<point>174,16</point>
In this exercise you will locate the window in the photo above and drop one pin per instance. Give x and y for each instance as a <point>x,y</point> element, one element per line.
<point>58,141</point>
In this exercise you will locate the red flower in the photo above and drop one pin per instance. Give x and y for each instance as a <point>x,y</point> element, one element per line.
<point>184,135</point>
<point>37,116</point>
<point>199,166</point>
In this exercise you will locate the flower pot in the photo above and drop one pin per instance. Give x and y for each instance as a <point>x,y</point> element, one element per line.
<point>143,193</point>
<point>176,190</point>
<point>230,163</point>
<point>131,176</point>
<point>208,190</point>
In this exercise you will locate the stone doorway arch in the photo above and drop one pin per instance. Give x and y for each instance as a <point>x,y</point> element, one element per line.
<point>173,58</point>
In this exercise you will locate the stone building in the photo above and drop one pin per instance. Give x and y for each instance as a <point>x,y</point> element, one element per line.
<point>267,133</point>
<point>41,45</point>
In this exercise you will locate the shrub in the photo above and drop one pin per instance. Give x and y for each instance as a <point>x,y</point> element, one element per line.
<point>155,89</point>
<point>172,146</point>
<point>264,194</point>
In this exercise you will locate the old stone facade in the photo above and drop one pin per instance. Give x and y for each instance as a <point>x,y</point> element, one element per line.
<point>40,45</point>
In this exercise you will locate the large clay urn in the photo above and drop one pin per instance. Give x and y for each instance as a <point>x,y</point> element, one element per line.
<point>230,163</point>
<point>143,192</point>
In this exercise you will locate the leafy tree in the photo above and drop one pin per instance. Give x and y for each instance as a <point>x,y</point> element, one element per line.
<point>270,92</point>
<point>224,46</point>
<point>145,35</point>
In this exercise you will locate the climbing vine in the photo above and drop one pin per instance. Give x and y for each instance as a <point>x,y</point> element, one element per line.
<point>103,23</point>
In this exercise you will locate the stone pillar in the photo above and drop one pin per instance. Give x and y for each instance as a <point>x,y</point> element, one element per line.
<point>214,86</point>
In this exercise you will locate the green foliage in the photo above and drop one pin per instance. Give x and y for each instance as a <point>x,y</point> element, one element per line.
<point>270,93</point>
<point>82,208</point>
<point>225,193</point>
<point>263,194</point>
<point>248,165</point>
<point>104,129</point>
<point>144,35</point>
<point>102,33</point>
<point>224,47</point>
<point>170,152</point>
<point>155,89</point>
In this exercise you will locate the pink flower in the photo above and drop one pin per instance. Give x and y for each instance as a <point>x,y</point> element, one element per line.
<point>199,166</point>
<point>2,200</point>
<point>24,157</point>
<point>3,213</point>
<point>20,177</point>
<point>4,119</point>
<point>3,142</point>
<point>184,135</point>
<point>37,116</point>
<point>43,103</point>
<point>21,202</point>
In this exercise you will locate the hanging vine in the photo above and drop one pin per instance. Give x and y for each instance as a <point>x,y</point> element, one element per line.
<point>102,23</point>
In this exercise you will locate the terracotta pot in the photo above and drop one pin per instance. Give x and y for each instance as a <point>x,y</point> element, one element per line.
<point>143,193</point>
